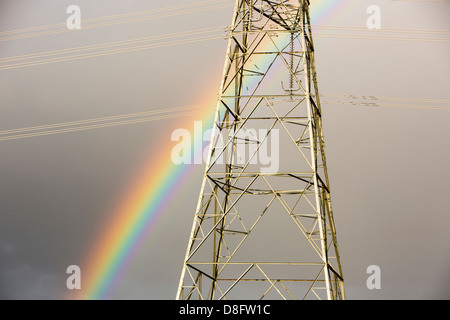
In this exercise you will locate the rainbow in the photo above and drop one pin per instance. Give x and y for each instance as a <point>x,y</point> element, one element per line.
<point>138,213</point>
<point>159,182</point>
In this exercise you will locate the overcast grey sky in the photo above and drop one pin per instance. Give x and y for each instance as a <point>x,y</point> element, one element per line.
<point>388,165</point>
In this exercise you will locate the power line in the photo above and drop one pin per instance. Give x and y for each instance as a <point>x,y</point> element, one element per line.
<point>384,30</point>
<point>86,25</point>
<point>169,113</point>
<point>107,52</point>
<point>169,14</point>
<point>108,44</point>
<point>94,126</point>
<point>385,105</point>
<point>152,46</point>
<point>102,119</point>
<point>378,98</point>
<point>177,7</point>
<point>373,37</point>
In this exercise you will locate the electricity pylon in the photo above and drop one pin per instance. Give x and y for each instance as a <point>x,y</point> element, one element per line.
<point>264,227</point>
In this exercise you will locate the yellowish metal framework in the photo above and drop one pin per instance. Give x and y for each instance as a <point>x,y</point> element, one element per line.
<point>261,232</point>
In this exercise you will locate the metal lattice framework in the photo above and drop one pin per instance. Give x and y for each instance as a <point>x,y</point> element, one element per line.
<point>264,227</point>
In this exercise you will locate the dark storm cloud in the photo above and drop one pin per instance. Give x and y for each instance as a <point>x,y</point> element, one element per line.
<point>21,280</point>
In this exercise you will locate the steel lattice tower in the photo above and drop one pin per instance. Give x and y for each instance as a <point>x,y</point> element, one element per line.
<point>263,227</point>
